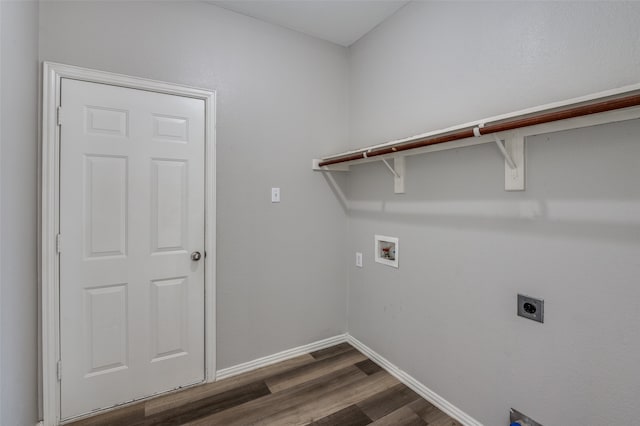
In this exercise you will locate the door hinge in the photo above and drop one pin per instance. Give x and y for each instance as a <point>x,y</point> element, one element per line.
<point>59,243</point>
<point>59,368</point>
<point>59,115</point>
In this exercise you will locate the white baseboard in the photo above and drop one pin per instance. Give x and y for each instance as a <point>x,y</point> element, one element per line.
<point>280,356</point>
<point>405,378</point>
<point>415,385</point>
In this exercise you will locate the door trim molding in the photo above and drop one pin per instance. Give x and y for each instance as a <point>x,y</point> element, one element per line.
<point>49,216</point>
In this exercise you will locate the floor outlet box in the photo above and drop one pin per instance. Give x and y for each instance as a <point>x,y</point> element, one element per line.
<point>531,308</point>
<point>516,417</point>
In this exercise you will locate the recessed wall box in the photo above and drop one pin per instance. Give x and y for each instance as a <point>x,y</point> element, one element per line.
<point>387,250</point>
<point>531,308</point>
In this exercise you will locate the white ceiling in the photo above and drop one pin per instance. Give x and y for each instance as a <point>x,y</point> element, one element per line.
<point>340,21</point>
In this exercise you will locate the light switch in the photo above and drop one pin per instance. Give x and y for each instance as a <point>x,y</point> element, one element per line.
<point>359,260</point>
<point>275,195</point>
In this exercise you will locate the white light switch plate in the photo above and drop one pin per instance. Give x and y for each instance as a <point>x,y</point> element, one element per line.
<point>275,195</point>
<point>359,260</point>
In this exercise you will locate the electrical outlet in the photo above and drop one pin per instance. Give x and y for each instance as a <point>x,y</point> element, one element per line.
<point>275,195</point>
<point>359,260</point>
<point>531,308</point>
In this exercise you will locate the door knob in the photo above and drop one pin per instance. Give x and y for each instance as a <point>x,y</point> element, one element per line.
<point>195,256</point>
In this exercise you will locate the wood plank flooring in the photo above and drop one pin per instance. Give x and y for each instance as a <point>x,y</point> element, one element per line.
<point>335,386</point>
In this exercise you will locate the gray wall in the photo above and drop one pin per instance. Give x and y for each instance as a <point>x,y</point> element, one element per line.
<point>282,100</point>
<point>447,315</point>
<point>18,178</point>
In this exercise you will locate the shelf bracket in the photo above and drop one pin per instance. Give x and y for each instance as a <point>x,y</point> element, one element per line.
<point>398,171</point>
<point>391,169</point>
<point>507,158</point>
<point>514,162</point>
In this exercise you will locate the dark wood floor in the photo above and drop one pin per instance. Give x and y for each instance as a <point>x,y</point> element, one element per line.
<point>333,386</point>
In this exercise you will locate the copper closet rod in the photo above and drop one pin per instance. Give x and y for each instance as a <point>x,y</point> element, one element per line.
<point>503,126</point>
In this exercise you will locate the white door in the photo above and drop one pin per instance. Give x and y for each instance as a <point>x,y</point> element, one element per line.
<point>131,224</point>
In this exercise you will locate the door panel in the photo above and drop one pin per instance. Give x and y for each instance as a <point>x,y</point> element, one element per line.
<point>105,206</point>
<point>169,318</point>
<point>106,325</point>
<point>169,209</point>
<point>106,121</point>
<point>174,129</point>
<point>131,213</point>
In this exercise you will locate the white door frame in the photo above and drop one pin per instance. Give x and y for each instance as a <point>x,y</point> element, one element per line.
<point>53,73</point>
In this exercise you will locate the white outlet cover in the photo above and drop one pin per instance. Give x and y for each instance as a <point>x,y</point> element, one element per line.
<point>275,195</point>
<point>359,259</point>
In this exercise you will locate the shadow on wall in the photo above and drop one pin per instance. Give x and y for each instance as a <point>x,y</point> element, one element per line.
<point>575,188</point>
